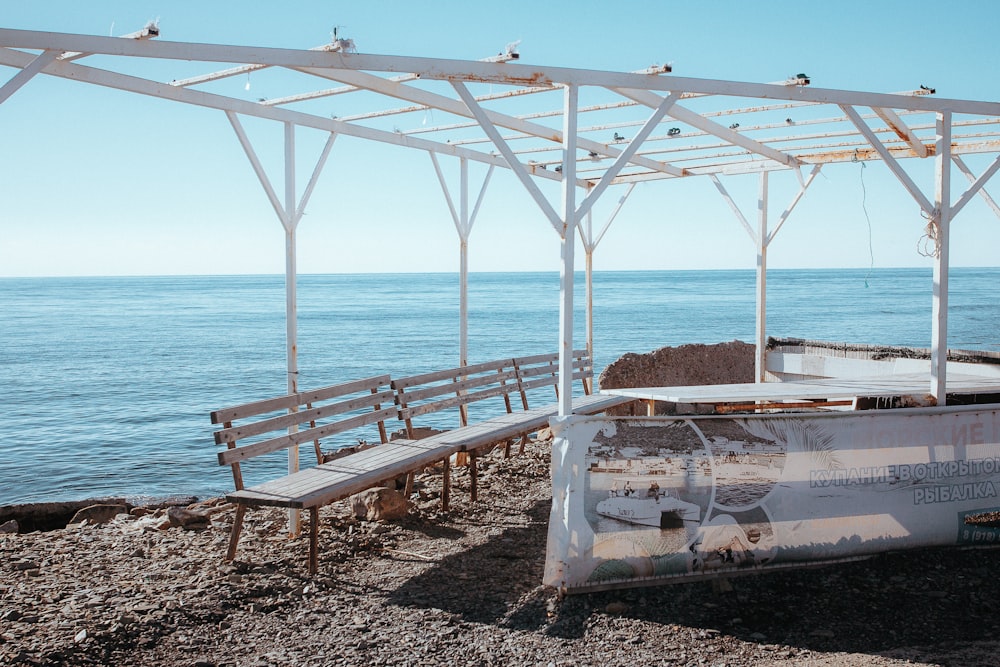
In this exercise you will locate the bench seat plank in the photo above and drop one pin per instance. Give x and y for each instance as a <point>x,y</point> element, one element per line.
<point>340,478</point>
<point>498,429</point>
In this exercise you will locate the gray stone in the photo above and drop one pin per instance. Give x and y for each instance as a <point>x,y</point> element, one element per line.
<point>379,504</point>
<point>616,608</point>
<point>9,526</point>
<point>187,519</point>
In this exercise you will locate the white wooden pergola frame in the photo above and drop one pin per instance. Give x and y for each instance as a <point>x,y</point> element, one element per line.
<point>788,126</point>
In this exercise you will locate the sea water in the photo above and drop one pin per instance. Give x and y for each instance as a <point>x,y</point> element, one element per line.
<point>106,384</point>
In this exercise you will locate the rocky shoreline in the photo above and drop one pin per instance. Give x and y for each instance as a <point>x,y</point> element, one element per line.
<point>461,587</point>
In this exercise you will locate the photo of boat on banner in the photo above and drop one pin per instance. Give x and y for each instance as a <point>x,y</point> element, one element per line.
<point>679,498</point>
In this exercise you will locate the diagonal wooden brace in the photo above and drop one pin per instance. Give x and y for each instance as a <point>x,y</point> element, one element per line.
<point>234,535</point>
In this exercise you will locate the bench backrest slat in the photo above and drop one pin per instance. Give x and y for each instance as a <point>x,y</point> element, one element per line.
<point>451,373</point>
<point>542,370</point>
<point>263,426</point>
<point>455,387</point>
<point>528,385</point>
<point>539,358</point>
<point>293,400</point>
<point>235,433</point>
<point>461,385</point>
<point>409,411</point>
<point>230,456</point>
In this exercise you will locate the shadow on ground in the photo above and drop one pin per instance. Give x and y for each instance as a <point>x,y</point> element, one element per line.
<point>487,583</point>
<point>935,597</point>
<point>890,600</point>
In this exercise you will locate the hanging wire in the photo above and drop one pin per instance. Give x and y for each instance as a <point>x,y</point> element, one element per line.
<point>929,245</point>
<point>864,207</point>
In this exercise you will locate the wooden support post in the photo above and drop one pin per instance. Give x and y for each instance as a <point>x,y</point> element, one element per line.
<point>473,475</point>
<point>234,535</point>
<point>446,485</point>
<point>313,540</point>
<point>408,489</point>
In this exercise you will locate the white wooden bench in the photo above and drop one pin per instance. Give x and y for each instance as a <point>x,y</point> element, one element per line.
<point>542,370</point>
<point>275,424</point>
<point>500,380</point>
<point>271,425</point>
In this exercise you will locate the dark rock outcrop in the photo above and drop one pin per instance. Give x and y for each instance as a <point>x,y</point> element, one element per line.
<point>720,363</point>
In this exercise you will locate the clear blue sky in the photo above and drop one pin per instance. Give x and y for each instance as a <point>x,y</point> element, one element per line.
<point>97,182</point>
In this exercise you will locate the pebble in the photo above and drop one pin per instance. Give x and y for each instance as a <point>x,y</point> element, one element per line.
<point>616,608</point>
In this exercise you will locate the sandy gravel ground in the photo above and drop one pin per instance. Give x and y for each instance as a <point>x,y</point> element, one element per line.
<point>461,588</point>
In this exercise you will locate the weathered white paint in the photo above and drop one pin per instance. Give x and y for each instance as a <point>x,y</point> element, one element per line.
<point>896,124</point>
<point>289,214</point>
<point>942,219</point>
<point>889,160</point>
<point>976,184</point>
<point>571,103</point>
<point>34,67</point>
<point>463,225</point>
<point>760,326</point>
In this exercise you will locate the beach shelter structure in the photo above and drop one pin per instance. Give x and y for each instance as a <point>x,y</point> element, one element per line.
<point>586,131</point>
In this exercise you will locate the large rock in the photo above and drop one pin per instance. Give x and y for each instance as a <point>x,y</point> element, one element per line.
<point>99,513</point>
<point>379,504</point>
<point>51,515</point>
<point>188,519</point>
<point>721,363</point>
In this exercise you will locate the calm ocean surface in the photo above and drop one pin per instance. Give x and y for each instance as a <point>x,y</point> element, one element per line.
<point>106,383</point>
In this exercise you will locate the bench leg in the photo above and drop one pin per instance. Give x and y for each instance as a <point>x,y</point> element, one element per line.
<point>408,488</point>
<point>313,539</point>
<point>446,485</point>
<point>506,448</point>
<point>473,477</point>
<point>234,535</point>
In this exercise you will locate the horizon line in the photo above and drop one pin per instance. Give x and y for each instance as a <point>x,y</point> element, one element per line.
<point>455,273</point>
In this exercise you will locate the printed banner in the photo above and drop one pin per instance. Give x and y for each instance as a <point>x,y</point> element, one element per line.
<point>639,500</point>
